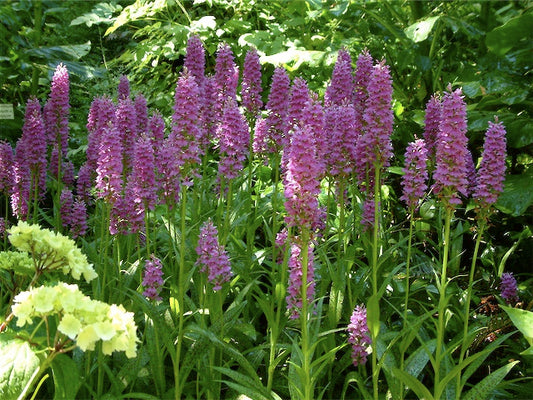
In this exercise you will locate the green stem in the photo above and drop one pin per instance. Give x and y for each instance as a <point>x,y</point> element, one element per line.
<point>464,345</point>
<point>375,240</point>
<point>442,302</point>
<point>304,319</point>
<point>181,294</point>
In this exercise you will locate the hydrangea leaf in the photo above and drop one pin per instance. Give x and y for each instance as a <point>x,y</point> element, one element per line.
<point>19,364</point>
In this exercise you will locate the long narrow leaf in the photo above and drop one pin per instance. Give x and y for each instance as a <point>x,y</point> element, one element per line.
<point>484,388</point>
<point>414,384</point>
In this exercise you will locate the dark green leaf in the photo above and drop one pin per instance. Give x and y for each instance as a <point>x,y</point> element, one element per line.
<point>66,377</point>
<point>517,194</point>
<point>483,389</point>
<point>513,32</point>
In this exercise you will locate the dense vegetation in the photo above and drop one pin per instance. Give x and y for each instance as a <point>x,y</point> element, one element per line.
<point>199,160</point>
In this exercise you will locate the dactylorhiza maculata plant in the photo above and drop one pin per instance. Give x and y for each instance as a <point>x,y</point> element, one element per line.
<point>358,335</point>
<point>212,257</point>
<point>251,88</point>
<point>414,180</point>
<point>153,278</point>
<point>509,288</point>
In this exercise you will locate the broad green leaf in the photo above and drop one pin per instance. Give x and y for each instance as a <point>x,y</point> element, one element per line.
<point>523,320</point>
<point>414,384</point>
<point>72,51</point>
<point>66,377</point>
<point>484,388</point>
<point>416,362</point>
<point>517,194</point>
<point>420,31</point>
<point>503,38</point>
<point>17,367</point>
<point>519,132</point>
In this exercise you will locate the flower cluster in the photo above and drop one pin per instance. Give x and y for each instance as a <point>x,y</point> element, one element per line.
<point>358,335</point>
<point>251,83</point>
<point>341,89</point>
<point>294,289</point>
<point>153,278</point>
<point>51,250</point>
<point>509,288</point>
<point>212,257</point>
<point>81,319</point>
<point>414,181</point>
<point>491,174</point>
<point>452,154</point>
<point>17,261</point>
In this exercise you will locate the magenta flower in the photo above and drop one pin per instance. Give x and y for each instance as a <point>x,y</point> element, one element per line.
<point>358,335</point>
<point>277,106</point>
<point>101,116</point>
<point>186,129</point>
<point>298,98</point>
<point>363,73</point>
<point>156,128</point>
<point>341,140</point>
<point>301,179</point>
<point>212,257</point>
<point>126,127</point>
<point>153,278</point>
<point>85,182</point>
<point>123,89</point>
<point>6,167</point>
<point>208,114</point>
<point>141,113</point>
<point>414,180</point>
<point>260,136</point>
<point>294,288</point>
<point>195,59</point>
<point>491,172</point>
<point>20,192</point>
<point>251,83</point>
<point>509,288</point>
<point>33,145</point>
<point>109,169</point>
<point>167,168</point>
<point>431,125</point>
<point>226,76</point>
<point>78,225</point>
<point>142,176</point>
<point>341,89</point>
<point>57,110</point>
<point>451,167</point>
<point>233,140</point>
<point>67,200</point>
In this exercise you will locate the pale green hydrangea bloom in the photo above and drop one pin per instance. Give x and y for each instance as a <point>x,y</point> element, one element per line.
<point>51,250</point>
<point>18,261</point>
<point>81,319</point>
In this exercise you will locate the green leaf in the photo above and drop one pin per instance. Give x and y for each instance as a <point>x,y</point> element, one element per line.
<point>419,358</point>
<point>503,38</point>
<point>372,315</point>
<point>66,377</point>
<point>484,388</point>
<point>517,194</point>
<point>519,132</point>
<point>19,365</point>
<point>523,320</point>
<point>420,31</point>
<point>414,384</point>
<point>72,51</point>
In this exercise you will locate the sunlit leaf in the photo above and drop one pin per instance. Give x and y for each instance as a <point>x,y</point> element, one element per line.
<point>420,31</point>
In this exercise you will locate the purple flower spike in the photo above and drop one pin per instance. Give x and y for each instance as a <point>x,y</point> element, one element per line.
<point>509,288</point>
<point>299,97</point>
<point>414,181</point>
<point>57,110</point>
<point>67,200</point>
<point>142,177</point>
<point>294,289</point>
<point>491,172</point>
<point>302,170</point>
<point>153,278</point>
<point>6,167</point>
<point>251,83</point>
<point>234,138</point>
<point>358,335</point>
<point>341,89</point>
<point>277,106</point>
<point>195,59</point>
<point>452,153</point>
<point>431,125</point>
<point>109,166</point>
<point>141,112</point>
<point>363,73</point>
<point>226,76</point>
<point>126,126</point>
<point>212,257</point>
<point>123,90</point>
